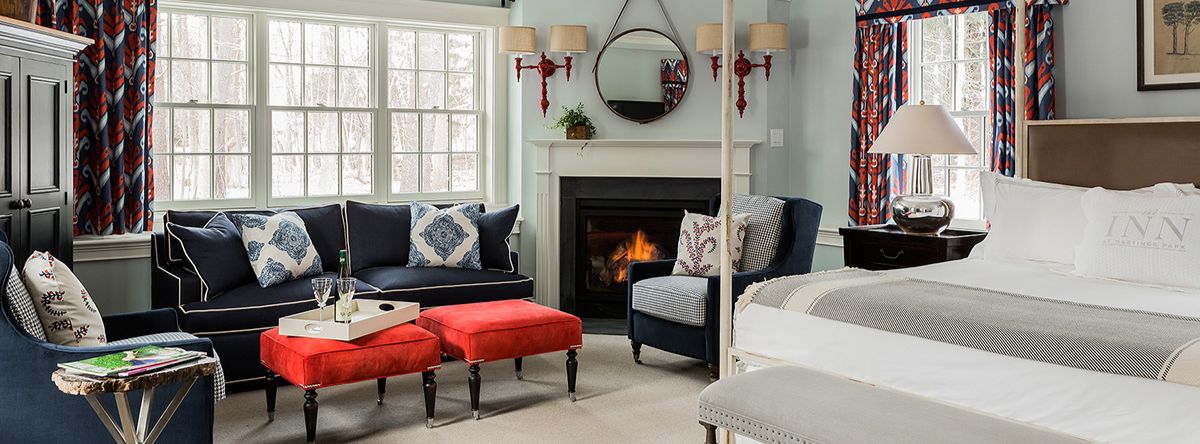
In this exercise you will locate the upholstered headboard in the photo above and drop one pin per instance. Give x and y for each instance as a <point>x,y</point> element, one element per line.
<point>1120,154</point>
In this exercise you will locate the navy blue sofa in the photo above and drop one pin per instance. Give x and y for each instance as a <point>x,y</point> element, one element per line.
<point>376,237</point>
<point>37,412</point>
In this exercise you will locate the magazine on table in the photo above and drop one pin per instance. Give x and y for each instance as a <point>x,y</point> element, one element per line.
<point>134,362</point>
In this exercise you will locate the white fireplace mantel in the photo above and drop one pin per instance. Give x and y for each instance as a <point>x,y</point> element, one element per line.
<point>617,158</point>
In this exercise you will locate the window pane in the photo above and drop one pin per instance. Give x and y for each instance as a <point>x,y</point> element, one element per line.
<point>285,41</point>
<point>161,130</point>
<point>355,49</point>
<point>193,132</point>
<point>964,191</point>
<point>431,51</point>
<point>231,86</point>
<point>401,49</point>
<point>229,38</point>
<point>320,86</point>
<point>320,44</point>
<point>323,133</point>
<point>461,48</point>
<point>162,178</point>
<point>287,176</point>
<point>404,173</point>
<point>462,91</point>
<point>937,39</point>
<point>464,133</point>
<point>939,182</point>
<point>465,172</point>
<point>432,94</point>
<point>285,85</point>
<point>287,132</point>
<point>232,132</point>
<point>162,81</point>
<point>972,86</point>
<point>405,135</point>
<point>973,36</point>
<point>973,128</point>
<point>401,88</point>
<point>190,82</point>
<point>163,43</point>
<point>937,82</point>
<point>193,178</point>
<point>231,177</point>
<point>356,174</point>
<point>435,172</point>
<point>355,87</point>
<point>357,132</point>
<point>435,133</point>
<point>322,175</point>
<point>190,37</point>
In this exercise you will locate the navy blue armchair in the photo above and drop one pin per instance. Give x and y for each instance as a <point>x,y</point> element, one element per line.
<point>35,411</point>
<point>794,255</point>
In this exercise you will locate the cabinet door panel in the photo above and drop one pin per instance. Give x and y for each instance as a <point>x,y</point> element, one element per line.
<point>9,140</point>
<point>43,233</point>
<point>45,134</point>
<point>46,158</point>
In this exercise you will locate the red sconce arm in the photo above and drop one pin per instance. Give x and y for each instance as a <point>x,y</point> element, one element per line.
<point>546,69</point>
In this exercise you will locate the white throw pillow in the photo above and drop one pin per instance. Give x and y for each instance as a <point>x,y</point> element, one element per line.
<point>445,238</point>
<point>67,312</point>
<point>279,247</point>
<point>1139,239</point>
<point>699,251</point>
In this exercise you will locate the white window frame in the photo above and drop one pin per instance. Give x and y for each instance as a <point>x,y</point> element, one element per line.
<point>487,95</point>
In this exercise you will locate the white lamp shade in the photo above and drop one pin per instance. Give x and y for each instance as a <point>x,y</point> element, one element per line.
<point>767,37</point>
<point>568,38</point>
<point>709,38</point>
<point>518,39</point>
<point>922,129</point>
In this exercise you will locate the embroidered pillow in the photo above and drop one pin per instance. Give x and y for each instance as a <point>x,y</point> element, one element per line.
<point>445,238</point>
<point>21,306</point>
<point>1141,239</point>
<point>67,312</point>
<point>278,246</point>
<point>699,244</point>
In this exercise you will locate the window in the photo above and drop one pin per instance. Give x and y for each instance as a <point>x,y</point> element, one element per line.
<point>950,68</point>
<point>322,109</point>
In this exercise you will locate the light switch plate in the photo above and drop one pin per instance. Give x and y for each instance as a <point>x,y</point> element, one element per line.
<point>776,138</point>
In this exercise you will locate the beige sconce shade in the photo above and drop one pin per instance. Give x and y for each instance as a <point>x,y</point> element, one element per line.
<point>568,38</point>
<point>518,39</point>
<point>768,37</point>
<point>922,129</point>
<point>708,38</point>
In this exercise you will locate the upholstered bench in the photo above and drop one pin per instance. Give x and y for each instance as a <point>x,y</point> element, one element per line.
<point>315,363</point>
<point>795,405</point>
<point>494,331</point>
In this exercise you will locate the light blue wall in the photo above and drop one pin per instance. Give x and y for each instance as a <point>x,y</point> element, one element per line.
<point>117,286</point>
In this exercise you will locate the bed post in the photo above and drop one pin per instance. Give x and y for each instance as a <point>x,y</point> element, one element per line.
<point>726,306</point>
<point>1019,80</point>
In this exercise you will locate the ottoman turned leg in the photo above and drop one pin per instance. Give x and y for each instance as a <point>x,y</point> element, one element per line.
<point>271,385</point>
<point>572,369</point>
<point>310,415</point>
<point>473,382</point>
<point>518,363</point>
<point>430,386</point>
<point>637,351</point>
<point>382,383</point>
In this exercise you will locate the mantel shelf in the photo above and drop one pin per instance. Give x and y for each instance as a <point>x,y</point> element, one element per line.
<point>641,143</point>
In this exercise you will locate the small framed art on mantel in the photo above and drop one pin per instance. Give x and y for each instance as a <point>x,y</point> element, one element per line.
<point>1168,44</point>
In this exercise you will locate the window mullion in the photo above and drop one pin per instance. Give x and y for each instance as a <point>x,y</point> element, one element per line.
<point>261,152</point>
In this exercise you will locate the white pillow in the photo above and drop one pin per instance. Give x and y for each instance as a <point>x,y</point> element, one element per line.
<point>699,244</point>
<point>279,247</point>
<point>65,308</point>
<point>445,238</point>
<point>1138,239</point>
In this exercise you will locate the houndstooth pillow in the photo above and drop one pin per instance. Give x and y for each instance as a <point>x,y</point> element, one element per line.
<point>763,230</point>
<point>21,306</point>
<point>445,238</point>
<point>279,247</point>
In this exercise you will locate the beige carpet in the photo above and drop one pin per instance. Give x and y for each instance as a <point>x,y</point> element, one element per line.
<point>619,402</point>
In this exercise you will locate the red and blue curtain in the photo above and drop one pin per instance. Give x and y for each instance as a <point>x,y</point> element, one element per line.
<point>674,82</point>
<point>880,87</point>
<point>114,91</point>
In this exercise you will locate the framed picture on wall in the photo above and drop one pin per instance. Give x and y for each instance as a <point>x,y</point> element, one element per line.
<point>1168,44</point>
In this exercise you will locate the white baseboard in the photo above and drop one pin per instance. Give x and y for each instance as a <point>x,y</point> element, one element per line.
<point>109,248</point>
<point>829,237</point>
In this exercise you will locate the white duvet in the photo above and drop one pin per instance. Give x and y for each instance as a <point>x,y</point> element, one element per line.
<point>1090,405</point>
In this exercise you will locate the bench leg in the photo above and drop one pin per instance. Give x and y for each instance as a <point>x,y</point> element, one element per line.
<point>713,375</point>
<point>310,415</point>
<point>430,385</point>
<point>382,383</point>
<point>572,369</point>
<point>710,433</point>
<point>637,351</point>
<point>518,363</point>
<point>473,382</point>
<point>271,385</point>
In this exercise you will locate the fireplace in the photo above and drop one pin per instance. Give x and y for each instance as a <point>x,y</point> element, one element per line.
<point>608,223</point>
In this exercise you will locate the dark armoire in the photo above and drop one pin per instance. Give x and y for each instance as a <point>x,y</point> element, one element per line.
<point>36,138</point>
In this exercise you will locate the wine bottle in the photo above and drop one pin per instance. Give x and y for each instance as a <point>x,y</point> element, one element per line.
<point>341,311</point>
<point>343,265</point>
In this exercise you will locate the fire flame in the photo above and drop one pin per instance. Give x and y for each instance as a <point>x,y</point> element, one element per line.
<point>636,248</point>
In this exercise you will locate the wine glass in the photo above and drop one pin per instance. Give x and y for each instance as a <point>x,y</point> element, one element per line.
<point>321,289</point>
<point>346,288</point>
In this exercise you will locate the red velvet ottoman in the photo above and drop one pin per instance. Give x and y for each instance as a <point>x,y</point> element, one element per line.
<point>312,363</point>
<point>493,331</point>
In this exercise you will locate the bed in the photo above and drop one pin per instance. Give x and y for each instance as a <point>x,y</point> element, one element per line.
<point>1073,402</point>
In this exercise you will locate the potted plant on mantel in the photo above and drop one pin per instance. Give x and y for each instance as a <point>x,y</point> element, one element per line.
<point>577,123</point>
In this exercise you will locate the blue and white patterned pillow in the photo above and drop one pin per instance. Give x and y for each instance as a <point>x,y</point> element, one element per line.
<point>445,238</point>
<point>279,247</point>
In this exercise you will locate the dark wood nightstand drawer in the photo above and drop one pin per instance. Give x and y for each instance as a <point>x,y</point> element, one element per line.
<point>885,247</point>
<point>872,255</point>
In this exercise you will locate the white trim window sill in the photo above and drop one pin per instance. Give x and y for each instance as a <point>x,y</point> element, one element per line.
<point>109,248</point>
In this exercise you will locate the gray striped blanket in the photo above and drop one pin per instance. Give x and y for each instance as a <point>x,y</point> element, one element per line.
<point>1091,337</point>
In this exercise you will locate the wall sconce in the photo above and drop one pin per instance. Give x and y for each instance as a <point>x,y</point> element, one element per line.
<point>522,40</point>
<point>764,37</point>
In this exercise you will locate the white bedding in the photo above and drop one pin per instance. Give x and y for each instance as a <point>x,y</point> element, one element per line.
<point>1090,405</point>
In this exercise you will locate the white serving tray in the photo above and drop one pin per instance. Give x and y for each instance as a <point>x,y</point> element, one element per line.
<point>367,318</point>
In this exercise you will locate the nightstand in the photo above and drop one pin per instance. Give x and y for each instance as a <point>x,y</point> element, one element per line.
<point>886,247</point>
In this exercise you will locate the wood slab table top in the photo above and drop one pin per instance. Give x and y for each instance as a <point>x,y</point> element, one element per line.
<point>84,385</point>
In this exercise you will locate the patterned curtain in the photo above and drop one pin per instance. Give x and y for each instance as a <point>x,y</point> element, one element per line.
<point>880,87</point>
<point>674,82</point>
<point>114,91</point>
<point>878,12</point>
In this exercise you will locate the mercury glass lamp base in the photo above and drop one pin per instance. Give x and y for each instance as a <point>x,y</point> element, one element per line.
<point>922,214</point>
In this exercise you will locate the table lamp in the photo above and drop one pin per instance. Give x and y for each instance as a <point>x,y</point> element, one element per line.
<point>921,131</point>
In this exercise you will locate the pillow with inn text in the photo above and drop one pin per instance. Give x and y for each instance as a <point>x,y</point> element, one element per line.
<point>1141,239</point>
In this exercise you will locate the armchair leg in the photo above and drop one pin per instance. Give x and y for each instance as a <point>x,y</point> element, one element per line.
<point>637,351</point>
<point>713,375</point>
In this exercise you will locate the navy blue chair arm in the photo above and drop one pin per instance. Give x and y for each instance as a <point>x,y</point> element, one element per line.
<point>128,325</point>
<point>64,353</point>
<point>639,271</point>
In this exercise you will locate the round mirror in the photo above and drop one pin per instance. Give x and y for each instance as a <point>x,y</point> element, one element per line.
<point>642,75</point>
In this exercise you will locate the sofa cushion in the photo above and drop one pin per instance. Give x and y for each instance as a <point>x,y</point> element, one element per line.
<point>328,232</point>
<point>378,235</point>
<point>444,237</point>
<point>251,307</point>
<point>216,253</point>
<point>279,247</point>
<point>495,227</point>
<point>681,299</point>
<point>433,287</point>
